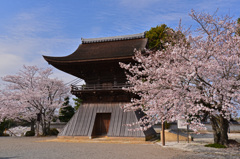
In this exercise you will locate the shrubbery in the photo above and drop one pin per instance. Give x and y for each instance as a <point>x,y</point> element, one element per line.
<point>215,145</point>
<point>30,133</point>
<point>53,132</point>
<point>2,134</point>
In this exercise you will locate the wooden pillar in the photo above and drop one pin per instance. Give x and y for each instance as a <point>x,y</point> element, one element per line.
<point>163,134</point>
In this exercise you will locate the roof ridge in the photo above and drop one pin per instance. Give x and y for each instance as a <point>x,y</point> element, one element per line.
<point>113,38</point>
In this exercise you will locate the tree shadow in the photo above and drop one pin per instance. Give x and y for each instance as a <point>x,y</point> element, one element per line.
<point>202,135</point>
<point>9,157</point>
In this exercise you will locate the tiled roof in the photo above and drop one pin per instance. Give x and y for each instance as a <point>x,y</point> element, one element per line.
<point>114,38</point>
<point>117,48</point>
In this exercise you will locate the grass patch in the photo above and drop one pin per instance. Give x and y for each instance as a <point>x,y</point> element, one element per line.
<point>215,146</point>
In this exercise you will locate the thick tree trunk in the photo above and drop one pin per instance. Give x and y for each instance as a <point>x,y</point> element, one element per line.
<point>44,125</point>
<point>46,128</point>
<point>220,129</point>
<point>224,131</point>
<point>32,125</point>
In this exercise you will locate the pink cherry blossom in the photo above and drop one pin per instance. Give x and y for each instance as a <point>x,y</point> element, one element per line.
<point>30,92</point>
<point>198,75</point>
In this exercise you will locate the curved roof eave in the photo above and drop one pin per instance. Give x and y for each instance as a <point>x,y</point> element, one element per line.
<point>101,51</point>
<point>51,59</point>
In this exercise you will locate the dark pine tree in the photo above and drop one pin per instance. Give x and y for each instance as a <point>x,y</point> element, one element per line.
<point>77,103</point>
<point>66,112</point>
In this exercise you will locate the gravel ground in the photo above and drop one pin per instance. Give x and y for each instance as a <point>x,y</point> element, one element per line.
<point>197,146</point>
<point>33,148</point>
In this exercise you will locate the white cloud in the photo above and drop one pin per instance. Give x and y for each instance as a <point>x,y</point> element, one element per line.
<point>32,22</point>
<point>9,63</point>
<point>14,53</point>
<point>23,43</point>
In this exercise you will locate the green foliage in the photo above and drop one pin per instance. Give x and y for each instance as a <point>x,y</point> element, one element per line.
<point>6,124</point>
<point>238,29</point>
<point>215,145</point>
<point>55,118</point>
<point>2,134</point>
<point>158,36</point>
<point>238,119</point>
<point>167,125</point>
<point>66,112</point>
<point>77,103</point>
<point>53,132</point>
<point>30,133</point>
<point>1,128</point>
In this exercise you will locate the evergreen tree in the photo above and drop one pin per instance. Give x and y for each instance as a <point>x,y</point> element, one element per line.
<point>77,102</point>
<point>238,30</point>
<point>67,111</point>
<point>158,36</point>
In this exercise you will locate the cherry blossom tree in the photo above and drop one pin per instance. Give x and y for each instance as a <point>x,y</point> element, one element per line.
<point>31,93</point>
<point>196,76</point>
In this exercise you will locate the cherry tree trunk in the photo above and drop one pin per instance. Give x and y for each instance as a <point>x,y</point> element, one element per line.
<point>48,127</point>
<point>45,128</point>
<point>44,124</point>
<point>220,127</point>
<point>32,125</point>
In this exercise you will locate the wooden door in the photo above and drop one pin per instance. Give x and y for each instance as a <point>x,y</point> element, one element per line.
<point>101,124</point>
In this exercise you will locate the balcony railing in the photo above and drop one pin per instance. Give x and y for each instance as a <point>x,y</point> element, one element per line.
<point>104,86</point>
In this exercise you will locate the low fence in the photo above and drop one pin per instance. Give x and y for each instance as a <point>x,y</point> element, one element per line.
<point>104,86</point>
<point>234,127</point>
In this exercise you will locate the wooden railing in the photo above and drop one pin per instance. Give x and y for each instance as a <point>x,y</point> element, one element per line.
<point>104,86</point>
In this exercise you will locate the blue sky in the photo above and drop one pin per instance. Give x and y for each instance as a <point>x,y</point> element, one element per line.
<point>30,29</point>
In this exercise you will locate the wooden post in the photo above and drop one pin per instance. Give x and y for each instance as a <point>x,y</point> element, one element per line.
<point>163,134</point>
<point>178,135</point>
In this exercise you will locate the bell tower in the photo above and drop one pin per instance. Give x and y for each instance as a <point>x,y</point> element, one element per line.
<point>97,62</point>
